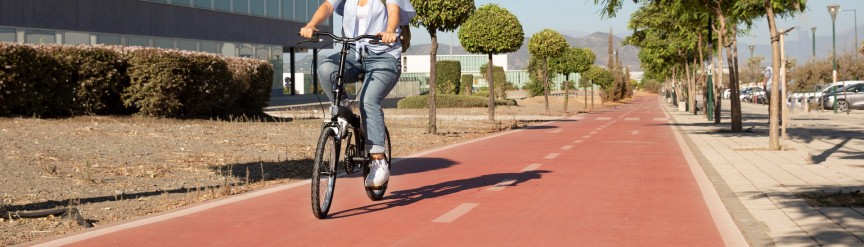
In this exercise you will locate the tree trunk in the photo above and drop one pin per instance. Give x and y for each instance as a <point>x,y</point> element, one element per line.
<point>784,114</point>
<point>490,80</point>
<point>546,83</point>
<point>566,91</point>
<point>585,95</point>
<point>773,132</point>
<point>734,80</point>
<point>432,128</point>
<point>591,109</point>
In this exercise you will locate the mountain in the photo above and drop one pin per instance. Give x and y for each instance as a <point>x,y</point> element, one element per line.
<point>597,42</point>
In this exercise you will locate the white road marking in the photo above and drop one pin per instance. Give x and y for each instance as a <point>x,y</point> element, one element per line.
<point>578,141</point>
<point>635,132</point>
<point>531,167</point>
<point>501,185</point>
<point>457,212</point>
<point>603,118</point>
<point>551,156</point>
<point>594,132</point>
<point>586,137</point>
<point>566,147</point>
<point>555,131</point>
<point>631,119</point>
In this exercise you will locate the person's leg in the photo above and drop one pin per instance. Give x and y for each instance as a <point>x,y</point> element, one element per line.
<point>329,69</point>
<point>382,73</point>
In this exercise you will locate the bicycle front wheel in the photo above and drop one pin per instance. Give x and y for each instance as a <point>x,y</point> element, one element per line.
<point>324,172</point>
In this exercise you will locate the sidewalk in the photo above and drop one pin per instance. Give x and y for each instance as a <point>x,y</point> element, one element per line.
<point>824,153</point>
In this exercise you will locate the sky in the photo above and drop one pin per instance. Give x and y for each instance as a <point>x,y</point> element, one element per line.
<point>583,17</point>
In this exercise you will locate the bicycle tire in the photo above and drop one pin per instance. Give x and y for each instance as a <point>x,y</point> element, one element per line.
<point>324,170</point>
<point>377,194</point>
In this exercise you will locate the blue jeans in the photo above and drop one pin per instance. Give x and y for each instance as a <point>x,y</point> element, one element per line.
<point>382,72</point>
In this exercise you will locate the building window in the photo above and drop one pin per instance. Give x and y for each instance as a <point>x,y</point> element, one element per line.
<point>246,50</point>
<point>204,4</point>
<point>189,45</point>
<point>241,6</point>
<point>257,8</point>
<point>263,52</point>
<point>273,9</point>
<point>163,43</point>
<point>312,7</point>
<point>300,10</point>
<point>40,37</point>
<point>182,2</point>
<point>8,35</point>
<point>211,47</point>
<point>137,41</point>
<point>229,50</point>
<point>222,5</point>
<point>76,38</point>
<point>107,39</point>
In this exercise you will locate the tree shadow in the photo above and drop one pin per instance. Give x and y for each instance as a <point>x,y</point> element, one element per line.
<point>410,196</point>
<point>808,210</point>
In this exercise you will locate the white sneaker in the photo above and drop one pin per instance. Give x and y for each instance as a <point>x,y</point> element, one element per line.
<point>379,173</point>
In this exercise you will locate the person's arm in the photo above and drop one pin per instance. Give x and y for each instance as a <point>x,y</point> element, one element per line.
<point>324,11</point>
<point>389,35</point>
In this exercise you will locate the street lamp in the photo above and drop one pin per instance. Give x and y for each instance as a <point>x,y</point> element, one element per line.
<point>855,47</point>
<point>833,9</point>
<point>813,31</point>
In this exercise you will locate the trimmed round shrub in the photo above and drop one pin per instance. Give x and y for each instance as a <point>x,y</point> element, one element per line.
<point>448,76</point>
<point>158,80</point>
<point>449,101</point>
<point>252,80</point>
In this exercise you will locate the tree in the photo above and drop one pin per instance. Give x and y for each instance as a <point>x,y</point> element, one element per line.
<point>444,16</point>
<point>547,44</point>
<point>573,60</point>
<point>491,30</point>
<point>449,74</point>
<point>598,76</point>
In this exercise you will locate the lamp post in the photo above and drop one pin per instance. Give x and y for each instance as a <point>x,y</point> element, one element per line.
<point>813,31</point>
<point>833,9</point>
<point>855,13</point>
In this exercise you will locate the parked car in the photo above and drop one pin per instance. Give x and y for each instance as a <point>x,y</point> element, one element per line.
<point>851,97</point>
<point>747,94</point>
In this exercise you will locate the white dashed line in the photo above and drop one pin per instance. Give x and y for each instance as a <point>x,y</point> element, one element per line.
<point>578,141</point>
<point>503,184</point>
<point>551,156</point>
<point>594,132</point>
<point>555,131</point>
<point>531,167</point>
<point>586,137</point>
<point>566,147</point>
<point>457,212</point>
<point>603,118</point>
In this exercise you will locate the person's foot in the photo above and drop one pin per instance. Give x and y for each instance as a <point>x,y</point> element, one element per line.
<point>379,173</point>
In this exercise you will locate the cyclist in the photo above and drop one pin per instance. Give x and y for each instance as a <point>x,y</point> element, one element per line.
<point>379,61</point>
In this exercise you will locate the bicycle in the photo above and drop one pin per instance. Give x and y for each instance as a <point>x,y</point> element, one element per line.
<point>333,134</point>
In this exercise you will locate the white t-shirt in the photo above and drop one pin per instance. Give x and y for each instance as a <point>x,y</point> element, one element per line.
<point>363,18</point>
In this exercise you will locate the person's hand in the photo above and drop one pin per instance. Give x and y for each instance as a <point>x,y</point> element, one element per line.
<point>307,31</point>
<point>388,37</point>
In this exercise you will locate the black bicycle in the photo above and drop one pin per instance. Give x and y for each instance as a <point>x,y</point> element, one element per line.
<point>335,136</point>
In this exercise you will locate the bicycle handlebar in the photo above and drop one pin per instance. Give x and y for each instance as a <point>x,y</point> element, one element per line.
<point>375,39</point>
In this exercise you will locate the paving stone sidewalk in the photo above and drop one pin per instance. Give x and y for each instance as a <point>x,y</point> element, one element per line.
<point>760,188</point>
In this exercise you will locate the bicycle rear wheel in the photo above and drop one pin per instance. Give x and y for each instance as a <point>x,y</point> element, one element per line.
<point>377,194</point>
<point>324,172</point>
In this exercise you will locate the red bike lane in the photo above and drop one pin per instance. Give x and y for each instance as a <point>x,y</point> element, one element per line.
<point>612,178</point>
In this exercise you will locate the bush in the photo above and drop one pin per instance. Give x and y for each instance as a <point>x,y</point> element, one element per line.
<point>467,84</point>
<point>447,77</point>
<point>31,82</point>
<point>61,80</point>
<point>252,80</point>
<point>98,76</point>
<point>449,101</point>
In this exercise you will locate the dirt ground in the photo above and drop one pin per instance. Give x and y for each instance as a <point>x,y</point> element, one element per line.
<point>116,168</point>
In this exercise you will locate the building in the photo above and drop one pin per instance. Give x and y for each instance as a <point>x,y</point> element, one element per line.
<point>263,29</point>
<point>416,68</point>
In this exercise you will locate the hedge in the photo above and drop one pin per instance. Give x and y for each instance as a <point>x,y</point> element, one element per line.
<point>448,75</point>
<point>449,101</point>
<point>467,84</point>
<point>63,80</point>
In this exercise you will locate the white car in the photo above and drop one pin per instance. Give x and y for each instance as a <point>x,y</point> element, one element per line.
<point>727,93</point>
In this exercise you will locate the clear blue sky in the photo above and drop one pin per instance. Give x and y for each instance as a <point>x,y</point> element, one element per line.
<point>582,16</point>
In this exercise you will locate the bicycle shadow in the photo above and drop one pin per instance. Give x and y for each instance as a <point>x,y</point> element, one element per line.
<point>411,196</point>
